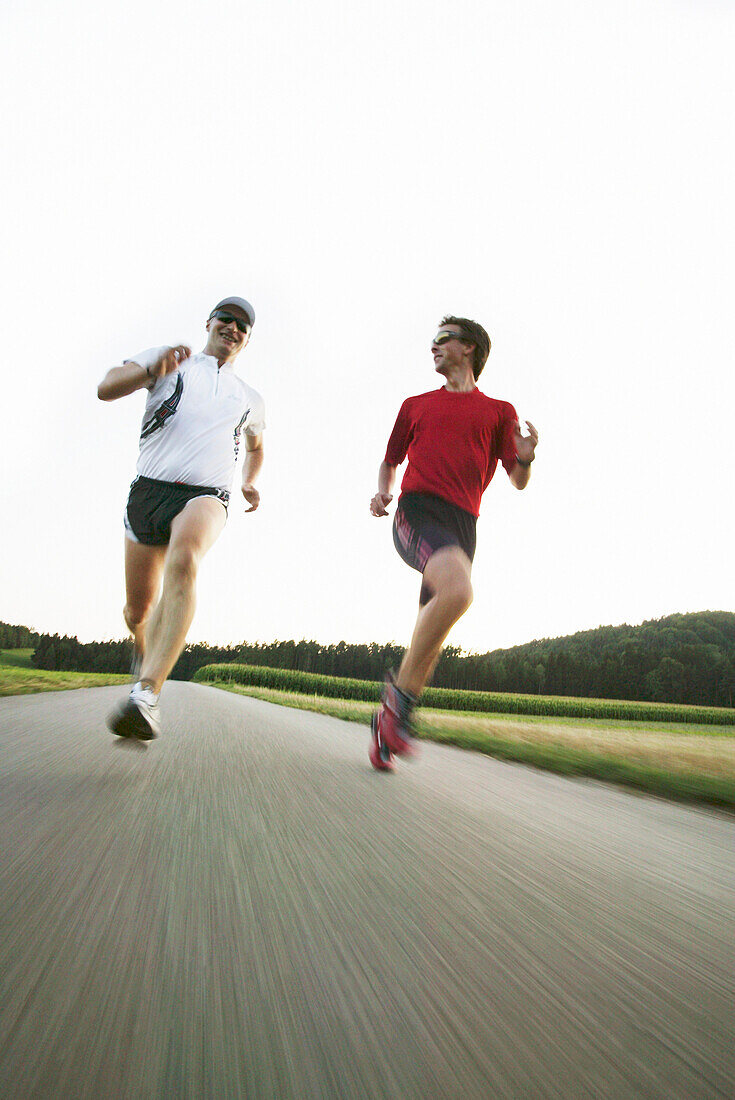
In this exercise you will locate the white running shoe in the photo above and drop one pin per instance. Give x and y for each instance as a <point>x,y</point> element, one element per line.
<point>139,716</point>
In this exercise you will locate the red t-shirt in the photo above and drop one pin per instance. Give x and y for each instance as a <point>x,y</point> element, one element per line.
<point>453,442</point>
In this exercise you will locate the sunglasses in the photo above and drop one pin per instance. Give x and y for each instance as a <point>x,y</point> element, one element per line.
<point>445,337</point>
<point>221,315</point>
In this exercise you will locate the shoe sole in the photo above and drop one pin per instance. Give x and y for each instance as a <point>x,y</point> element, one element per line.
<point>131,723</point>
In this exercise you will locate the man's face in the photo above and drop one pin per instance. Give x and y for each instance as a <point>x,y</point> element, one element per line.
<point>451,354</point>
<point>225,338</point>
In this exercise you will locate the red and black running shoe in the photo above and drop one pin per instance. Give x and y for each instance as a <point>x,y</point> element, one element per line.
<point>393,720</point>
<point>380,755</point>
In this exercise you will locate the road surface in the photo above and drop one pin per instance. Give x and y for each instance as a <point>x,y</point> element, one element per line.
<point>245,909</point>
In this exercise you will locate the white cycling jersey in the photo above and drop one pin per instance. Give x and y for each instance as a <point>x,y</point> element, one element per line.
<point>193,421</point>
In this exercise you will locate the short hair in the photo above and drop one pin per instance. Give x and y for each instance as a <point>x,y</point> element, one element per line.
<point>475,334</point>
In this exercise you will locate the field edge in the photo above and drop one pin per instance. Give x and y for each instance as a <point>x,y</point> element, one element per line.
<point>688,787</point>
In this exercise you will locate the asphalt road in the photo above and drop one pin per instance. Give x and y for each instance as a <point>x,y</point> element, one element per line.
<point>245,909</point>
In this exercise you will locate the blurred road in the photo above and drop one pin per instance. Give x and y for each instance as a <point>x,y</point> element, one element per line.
<point>245,909</point>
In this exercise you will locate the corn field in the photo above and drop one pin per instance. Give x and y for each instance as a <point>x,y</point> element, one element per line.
<point>335,687</point>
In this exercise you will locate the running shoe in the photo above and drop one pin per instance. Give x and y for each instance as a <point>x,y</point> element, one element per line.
<point>379,754</point>
<point>138,717</point>
<point>393,720</point>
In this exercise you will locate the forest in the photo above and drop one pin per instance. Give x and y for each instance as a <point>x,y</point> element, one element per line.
<point>682,658</point>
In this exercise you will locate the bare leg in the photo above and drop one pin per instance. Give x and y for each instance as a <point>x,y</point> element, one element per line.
<point>448,577</point>
<point>193,532</point>
<point>143,566</point>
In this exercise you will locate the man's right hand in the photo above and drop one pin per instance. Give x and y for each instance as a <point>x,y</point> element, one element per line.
<point>131,376</point>
<point>379,503</point>
<point>170,361</point>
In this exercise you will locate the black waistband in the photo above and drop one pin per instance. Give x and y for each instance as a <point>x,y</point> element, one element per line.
<point>177,485</point>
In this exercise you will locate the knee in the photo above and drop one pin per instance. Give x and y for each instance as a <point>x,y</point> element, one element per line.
<point>459,595</point>
<point>135,616</point>
<point>467,596</point>
<point>181,566</point>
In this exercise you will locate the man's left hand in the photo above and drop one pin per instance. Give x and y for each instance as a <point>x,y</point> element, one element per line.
<point>526,444</point>
<point>252,496</point>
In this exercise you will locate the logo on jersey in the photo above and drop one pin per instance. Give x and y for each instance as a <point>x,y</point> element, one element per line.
<point>238,431</point>
<point>164,411</point>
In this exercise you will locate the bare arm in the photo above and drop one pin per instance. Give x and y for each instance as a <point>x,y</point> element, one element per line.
<point>384,495</point>
<point>120,381</point>
<point>251,466</point>
<point>526,451</point>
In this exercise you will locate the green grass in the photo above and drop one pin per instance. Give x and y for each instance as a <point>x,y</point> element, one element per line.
<point>19,677</point>
<point>16,658</point>
<point>683,729</point>
<point>696,764</point>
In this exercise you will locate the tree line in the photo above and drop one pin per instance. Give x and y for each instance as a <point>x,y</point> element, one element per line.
<point>17,637</point>
<point>687,658</point>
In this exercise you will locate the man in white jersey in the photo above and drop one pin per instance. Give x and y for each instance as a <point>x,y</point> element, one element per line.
<point>197,412</point>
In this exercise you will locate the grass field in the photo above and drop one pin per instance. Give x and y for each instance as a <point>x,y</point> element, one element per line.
<point>19,677</point>
<point>488,702</point>
<point>16,658</point>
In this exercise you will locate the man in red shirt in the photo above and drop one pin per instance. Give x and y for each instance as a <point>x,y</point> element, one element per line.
<point>454,437</point>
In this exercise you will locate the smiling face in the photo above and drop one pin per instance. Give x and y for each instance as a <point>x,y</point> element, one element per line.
<point>453,356</point>
<point>226,340</point>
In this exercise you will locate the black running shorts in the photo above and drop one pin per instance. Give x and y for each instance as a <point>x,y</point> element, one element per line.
<point>154,505</point>
<point>424,523</point>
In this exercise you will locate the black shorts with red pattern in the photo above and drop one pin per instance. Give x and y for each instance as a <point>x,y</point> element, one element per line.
<point>424,524</point>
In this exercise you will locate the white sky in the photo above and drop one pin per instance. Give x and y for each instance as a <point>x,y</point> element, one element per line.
<point>564,173</point>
